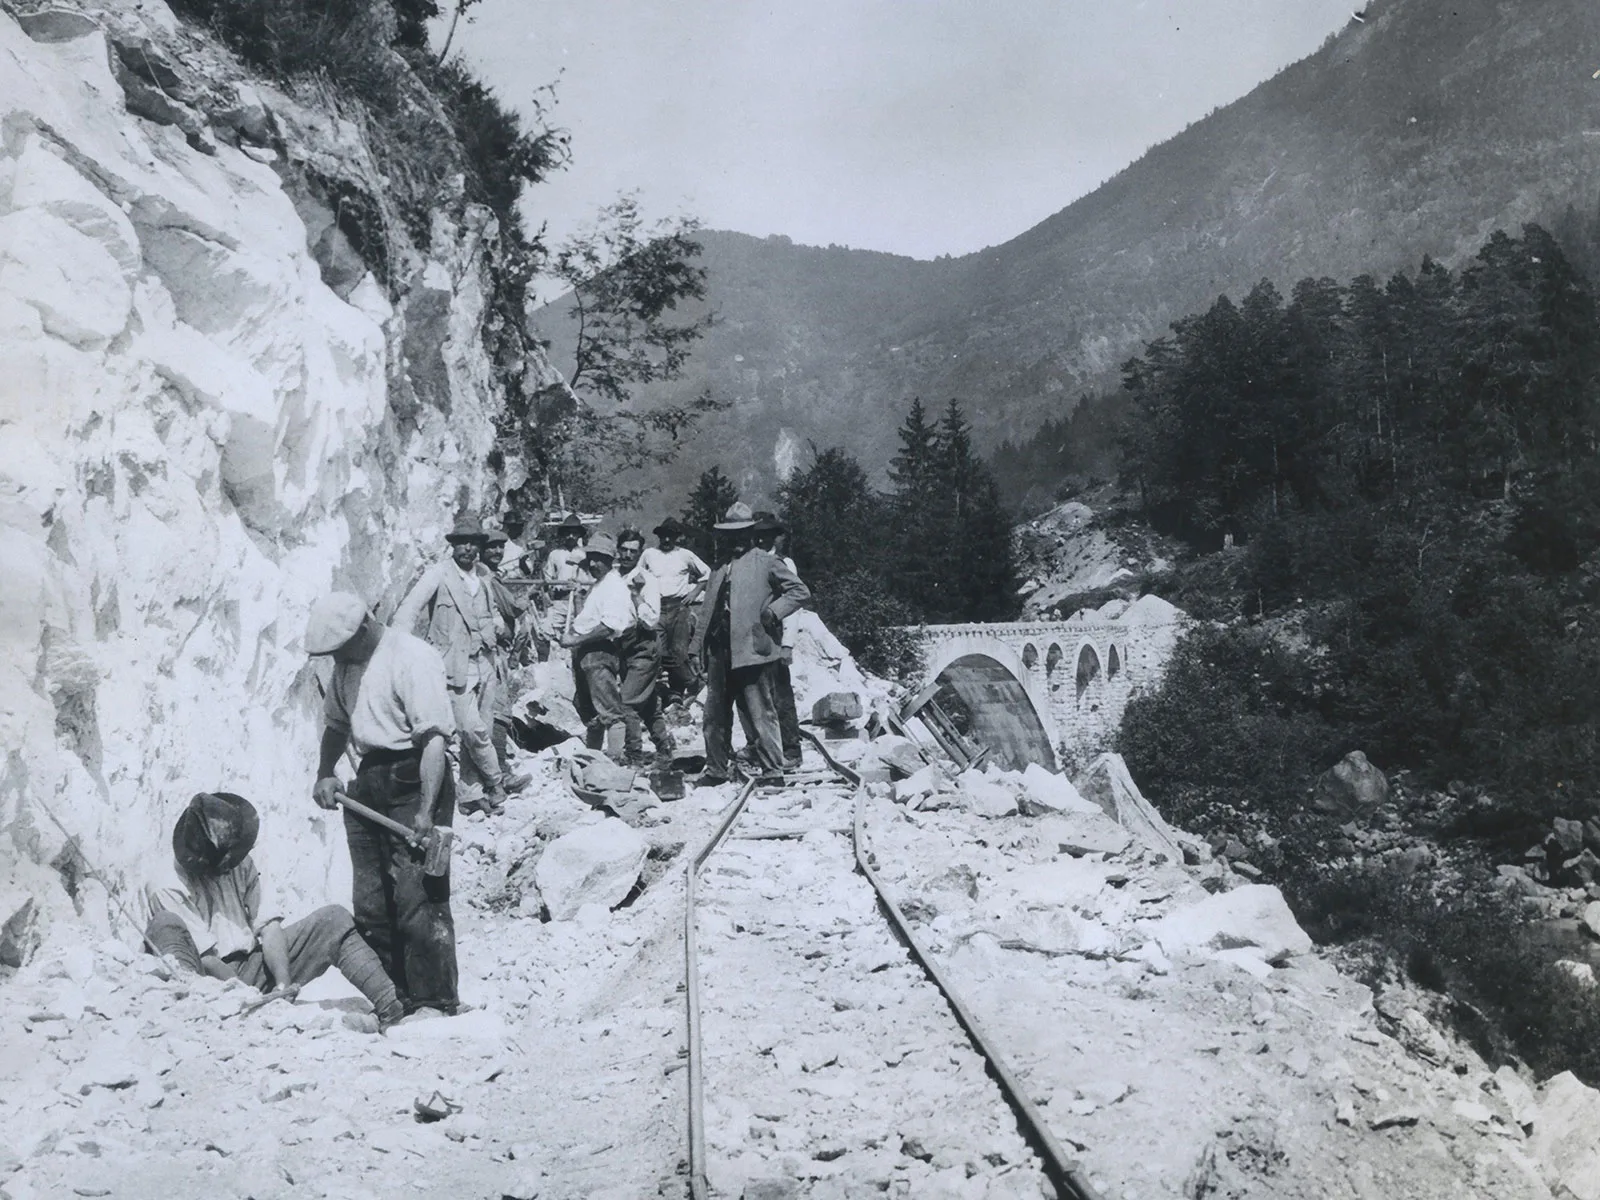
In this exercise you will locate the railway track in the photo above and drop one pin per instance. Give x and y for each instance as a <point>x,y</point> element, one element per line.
<point>823,1042</point>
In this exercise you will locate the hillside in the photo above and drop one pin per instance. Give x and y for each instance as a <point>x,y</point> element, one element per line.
<point>1415,132</point>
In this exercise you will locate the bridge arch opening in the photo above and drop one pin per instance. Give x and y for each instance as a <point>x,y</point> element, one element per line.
<point>1088,670</point>
<point>1113,664</point>
<point>1030,656</point>
<point>994,706</point>
<point>1053,659</point>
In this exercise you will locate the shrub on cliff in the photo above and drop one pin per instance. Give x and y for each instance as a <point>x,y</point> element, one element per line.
<point>431,122</point>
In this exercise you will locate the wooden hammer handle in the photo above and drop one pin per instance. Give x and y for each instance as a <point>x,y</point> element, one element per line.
<point>377,818</point>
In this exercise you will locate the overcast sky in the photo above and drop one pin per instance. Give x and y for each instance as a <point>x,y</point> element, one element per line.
<point>923,127</point>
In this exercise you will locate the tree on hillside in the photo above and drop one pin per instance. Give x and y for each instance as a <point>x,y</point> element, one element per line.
<point>710,500</point>
<point>913,511</point>
<point>839,537</point>
<point>977,578</point>
<point>626,283</point>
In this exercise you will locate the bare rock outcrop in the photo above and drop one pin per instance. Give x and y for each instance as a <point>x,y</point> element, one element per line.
<point>198,435</point>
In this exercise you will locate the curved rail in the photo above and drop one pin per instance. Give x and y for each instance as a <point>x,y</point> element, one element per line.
<point>1069,1178</point>
<point>1064,1173</point>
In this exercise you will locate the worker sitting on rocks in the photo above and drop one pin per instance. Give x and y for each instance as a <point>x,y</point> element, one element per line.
<point>641,657</point>
<point>456,599</point>
<point>738,641</point>
<point>596,645</point>
<point>210,920</point>
<point>388,698</point>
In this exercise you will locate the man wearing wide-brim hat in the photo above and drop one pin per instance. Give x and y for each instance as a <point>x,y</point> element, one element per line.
<point>209,919</point>
<point>456,602</point>
<point>388,699</point>
<point>766,533</point>
<point>680,576</point>
<point>596,643</point>
<point>738,640</point>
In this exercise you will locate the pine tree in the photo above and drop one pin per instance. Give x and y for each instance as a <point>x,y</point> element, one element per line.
<point>708,503</point>
<point>911,469</point>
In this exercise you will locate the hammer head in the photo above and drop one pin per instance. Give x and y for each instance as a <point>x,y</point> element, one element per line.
<point>436,850</point>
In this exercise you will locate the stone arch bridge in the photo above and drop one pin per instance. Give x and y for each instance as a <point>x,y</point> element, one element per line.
<point>1073,677</point>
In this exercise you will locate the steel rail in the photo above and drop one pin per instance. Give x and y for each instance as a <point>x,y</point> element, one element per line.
<point>699,1188</point>
<point>1064,1172</point>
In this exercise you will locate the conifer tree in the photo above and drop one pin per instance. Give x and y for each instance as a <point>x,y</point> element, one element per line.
<point>710,500</point>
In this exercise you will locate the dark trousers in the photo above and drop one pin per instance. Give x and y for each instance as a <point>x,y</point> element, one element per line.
<point>677,629</point>
<point>403,914</point>
<point>751,689</point>
<point>327,938</point>
<point>597,689</point>
<point>788,717</point>
<point>641,691</point>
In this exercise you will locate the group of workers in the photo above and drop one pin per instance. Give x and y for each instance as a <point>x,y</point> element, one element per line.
<point>647,629</point>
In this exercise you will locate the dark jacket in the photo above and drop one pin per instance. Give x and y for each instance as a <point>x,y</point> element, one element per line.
<point>762,591</point>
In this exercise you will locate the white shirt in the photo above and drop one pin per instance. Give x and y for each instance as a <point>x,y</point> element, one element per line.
<point>676,570</point>
<point>393,701</point>
<point>789,630</point>
<point>470,578</point>
<point>222,912</point>
<point>607,610</point>
<point>561,565</point>
<point>646,596</point>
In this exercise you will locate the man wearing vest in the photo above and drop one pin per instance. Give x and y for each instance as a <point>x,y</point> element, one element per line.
<point>455,599</point>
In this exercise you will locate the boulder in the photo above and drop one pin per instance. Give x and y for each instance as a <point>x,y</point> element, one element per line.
<point>1047,792</point>
<point>1518,1096</point>
<point>1581,869</point>
<point>921,783</point>
<point>594,864</point>
<point>986,797</point>
<point>1108,783</point>
<point>836,706</point>
<point>1351,788</point>
<point>1591,918</point>
<point>1566,837</point>
<point>1564,1141</point>
<point>898,754</point>
<point>1253,916</point>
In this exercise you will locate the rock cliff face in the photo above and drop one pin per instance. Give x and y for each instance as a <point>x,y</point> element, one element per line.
<point>215,404</point>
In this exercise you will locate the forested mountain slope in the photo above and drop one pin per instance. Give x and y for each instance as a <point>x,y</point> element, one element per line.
<point>1416,131</point>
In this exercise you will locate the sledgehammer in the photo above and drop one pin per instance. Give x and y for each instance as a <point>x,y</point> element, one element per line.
<point>435,847</point>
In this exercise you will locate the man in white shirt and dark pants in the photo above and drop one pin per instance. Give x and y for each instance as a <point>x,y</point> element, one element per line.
<point>596,644</point>
<point>641,656</point>
<point>680,577</point>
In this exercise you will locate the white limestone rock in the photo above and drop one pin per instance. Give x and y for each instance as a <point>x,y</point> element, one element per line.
<point>593,864</point>
<point>1566,1137</point>
<point>1254,916</point>
<point>1048,792</point>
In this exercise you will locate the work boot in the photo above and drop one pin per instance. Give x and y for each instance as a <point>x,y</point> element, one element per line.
<point>515,783</point>
<point>494,801</point>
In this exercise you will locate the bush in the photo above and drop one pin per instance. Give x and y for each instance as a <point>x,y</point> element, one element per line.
<point>862,614</point>
<point>1232,722</point>
<point>1462,935</point>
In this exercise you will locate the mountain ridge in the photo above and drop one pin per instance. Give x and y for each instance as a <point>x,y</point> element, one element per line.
<point>1415,132</point>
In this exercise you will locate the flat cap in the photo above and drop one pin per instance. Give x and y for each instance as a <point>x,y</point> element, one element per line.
<point>602,544</point>
<point>334,621</point>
